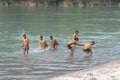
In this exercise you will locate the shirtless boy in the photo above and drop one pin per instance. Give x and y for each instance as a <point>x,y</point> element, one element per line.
<point>25,44</point>
<point>53,43</point>
<point>43,43</point>
<point>87,47</point>
<point>75,35</point>
<point>73,42</point>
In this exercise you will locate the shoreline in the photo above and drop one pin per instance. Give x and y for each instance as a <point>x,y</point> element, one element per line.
<point>104,71</point>
<point>59,3</point>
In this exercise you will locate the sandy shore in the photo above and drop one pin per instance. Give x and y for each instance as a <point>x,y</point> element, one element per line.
<point>106,71</point>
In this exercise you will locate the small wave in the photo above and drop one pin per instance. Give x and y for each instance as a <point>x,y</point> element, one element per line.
<point>92,25</point>
<point>109,19</point>
<point>2,23</point>
<point>0,32</point>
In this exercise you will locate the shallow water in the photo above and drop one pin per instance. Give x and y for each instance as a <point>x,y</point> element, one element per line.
<point>98,24</point>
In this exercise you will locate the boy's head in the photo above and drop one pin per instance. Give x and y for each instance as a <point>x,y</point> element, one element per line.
<point>51,37</point>
<point>92,42</point>
<point>76,32</point>
<point>76,39</point>
<point>24,35</point>
<point>41,37</point>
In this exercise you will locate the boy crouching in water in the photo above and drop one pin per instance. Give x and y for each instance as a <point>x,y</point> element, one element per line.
<point>43,43</point>
<point>87,47</point>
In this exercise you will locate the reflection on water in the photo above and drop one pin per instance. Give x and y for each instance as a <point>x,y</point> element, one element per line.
<point>87,57</point>
<point>25,64</point>
<point>61,23</point>
<point>25,61</point>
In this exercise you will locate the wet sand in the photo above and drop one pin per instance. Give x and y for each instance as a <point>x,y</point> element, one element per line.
<point>105,71</point>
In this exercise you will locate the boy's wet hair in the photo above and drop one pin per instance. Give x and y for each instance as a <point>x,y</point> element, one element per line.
<point>77,39</point>
<point>76,31</point>
<point>93,42</point>
<point>51,36</point>
<point>24,34</point>
<point>41,36</point>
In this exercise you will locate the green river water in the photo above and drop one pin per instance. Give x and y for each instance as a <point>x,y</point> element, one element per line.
<point>99,24</point>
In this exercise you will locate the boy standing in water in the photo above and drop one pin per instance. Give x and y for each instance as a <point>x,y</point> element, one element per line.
<point>25,44</point>
<point>75,35</point>
<point>73,42</point>
<point>43,43</point>
<point>53,42</point>
<point>87,47</point>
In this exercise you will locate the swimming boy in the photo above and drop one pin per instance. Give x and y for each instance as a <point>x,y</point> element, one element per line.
<point>25,44</point>
<point>73,42</point>
<point>43,43</point>
<point>75,35</point>
<point>53,42</point>
<point>87,47</point>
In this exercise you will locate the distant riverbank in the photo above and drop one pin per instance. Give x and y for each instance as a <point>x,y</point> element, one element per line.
<point>61,3</point>
<point>108,71</point>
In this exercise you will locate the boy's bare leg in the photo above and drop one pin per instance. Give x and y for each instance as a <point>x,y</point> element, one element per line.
<point>71,52</point>
<point>90,52</point>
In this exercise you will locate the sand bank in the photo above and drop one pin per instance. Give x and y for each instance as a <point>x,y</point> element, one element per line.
<point>106,71</point>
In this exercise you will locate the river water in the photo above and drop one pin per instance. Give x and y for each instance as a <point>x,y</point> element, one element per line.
<point>99,24</point>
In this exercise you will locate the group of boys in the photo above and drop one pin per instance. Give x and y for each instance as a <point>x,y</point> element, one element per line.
<point>54,44</point>
<point>43,44</point>
<point>74,41</point>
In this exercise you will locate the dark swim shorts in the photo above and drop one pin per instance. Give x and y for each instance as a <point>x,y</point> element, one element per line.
<point>69,46</point>
<point>55,44</point>
<point>86,50</point>
<point>27,47</point>
<point>46,45</point>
